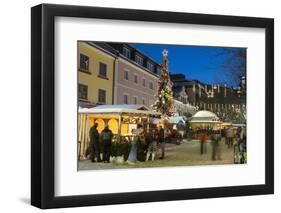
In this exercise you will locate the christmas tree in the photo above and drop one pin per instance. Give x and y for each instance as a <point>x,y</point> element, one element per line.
<point>164,99</point>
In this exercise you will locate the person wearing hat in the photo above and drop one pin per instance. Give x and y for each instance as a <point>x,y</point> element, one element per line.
<point>106,139</point>
<point>94,143</point>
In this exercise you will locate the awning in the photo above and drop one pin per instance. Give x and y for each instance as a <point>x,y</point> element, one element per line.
<point>119,109</point>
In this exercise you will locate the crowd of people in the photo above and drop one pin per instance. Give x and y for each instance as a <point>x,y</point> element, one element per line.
<point>232,137</point>
<point>149,144</point>
<point>106,138</point>
<point>145,145</point>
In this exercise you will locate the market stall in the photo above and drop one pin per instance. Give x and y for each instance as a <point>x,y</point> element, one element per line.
<point>203,120</point>
<point>121,119</point>
<point>179,124</point>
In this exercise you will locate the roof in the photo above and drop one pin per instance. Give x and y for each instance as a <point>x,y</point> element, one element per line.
<point>119,109</point>
<point>177,102</point>
<point>111,49</point>
<point>204,117</point>
<point>104,47</point>
<point>123,106</point>
<point>204,113</point>
<point>177,120</point>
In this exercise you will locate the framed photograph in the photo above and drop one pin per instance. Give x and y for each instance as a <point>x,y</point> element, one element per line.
<point>141,106</point>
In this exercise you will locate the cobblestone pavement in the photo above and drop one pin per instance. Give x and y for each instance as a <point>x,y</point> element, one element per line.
<point>185,154</point>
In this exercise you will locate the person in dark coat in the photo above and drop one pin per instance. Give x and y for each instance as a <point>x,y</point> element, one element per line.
<point>94,143</point>
<point>141,145</point>
<point>106,139</point>
<point>151,140</point>
<point>216,139</point>
<point>243,149</point>
<point>162,142</point>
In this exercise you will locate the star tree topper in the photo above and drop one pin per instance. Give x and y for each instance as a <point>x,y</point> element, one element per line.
<point>165,53</point>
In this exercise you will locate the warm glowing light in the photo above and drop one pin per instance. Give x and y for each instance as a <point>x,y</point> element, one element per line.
<point>113,126</point>
<point>101,124</point>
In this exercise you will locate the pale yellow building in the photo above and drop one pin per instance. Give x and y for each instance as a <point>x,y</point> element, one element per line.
<point>95,74</point>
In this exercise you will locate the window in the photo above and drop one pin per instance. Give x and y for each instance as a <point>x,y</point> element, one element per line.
<point>143,82</point>
<point>150,85</point>
<point>150,102</point>
<point>143,101</point>
<point>135,100</point>
<point>139,60</point>
<point>136,79</point>
<point>102,96</point>
<point>150,66</point>
<point>126,75</point>
<point>126,52</point>
<point>159,70</point>
<point>83,92</point>
<point>84,62</point>
<point>103,70</point>
<point>125,99</point>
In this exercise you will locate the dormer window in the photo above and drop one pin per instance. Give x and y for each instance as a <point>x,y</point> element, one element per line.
<point>127,52</point>
<point>139,60</point>
<point>150,66</point>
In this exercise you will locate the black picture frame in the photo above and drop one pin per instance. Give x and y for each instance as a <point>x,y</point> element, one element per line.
<point>43,102</point>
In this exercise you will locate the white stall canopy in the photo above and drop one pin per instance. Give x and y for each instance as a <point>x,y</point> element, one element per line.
<point>204,117</point>
<point>119,109</point>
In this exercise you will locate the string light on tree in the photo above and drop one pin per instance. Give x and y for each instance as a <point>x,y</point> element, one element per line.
<point>164,99</point>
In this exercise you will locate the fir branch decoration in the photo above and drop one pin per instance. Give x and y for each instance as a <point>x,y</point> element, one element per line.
<point>164,99</point>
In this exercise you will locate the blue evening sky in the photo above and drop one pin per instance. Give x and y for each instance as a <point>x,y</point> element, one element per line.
<point>202,63</point>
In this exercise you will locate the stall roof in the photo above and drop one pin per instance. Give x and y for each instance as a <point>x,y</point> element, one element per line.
<point>204,114</point>
<point>239,125</point>
<point>177,120</point>
<point>119,109</point>
<point>204,117</point>
<point>205,121</point>
<point>173,120</point>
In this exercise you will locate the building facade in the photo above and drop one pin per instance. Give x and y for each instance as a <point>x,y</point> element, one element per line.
<point>95,74</point>
<point>115,73</point>
<point>134,85</point>
<point>136,76</point>
<point>225,101</point>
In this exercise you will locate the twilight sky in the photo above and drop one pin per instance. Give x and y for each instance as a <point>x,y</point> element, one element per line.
<point>196,62</point>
